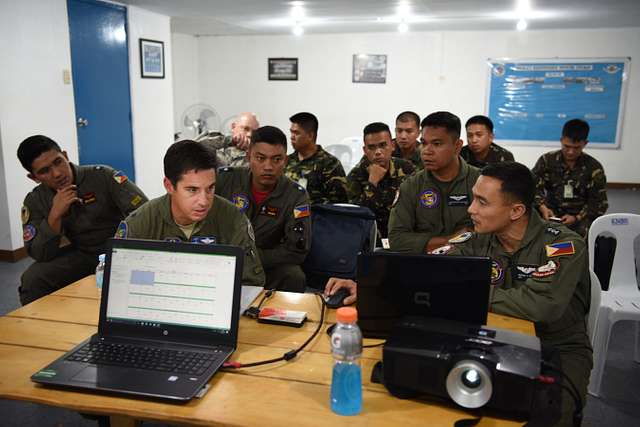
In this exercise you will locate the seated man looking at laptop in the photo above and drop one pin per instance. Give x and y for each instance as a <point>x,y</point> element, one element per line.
<point>191,212</point>
<point>539,269</point>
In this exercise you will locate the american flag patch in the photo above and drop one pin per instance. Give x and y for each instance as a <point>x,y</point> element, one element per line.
<point>301,211</point>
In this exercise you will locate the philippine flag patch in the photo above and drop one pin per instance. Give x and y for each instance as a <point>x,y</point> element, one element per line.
<point>561,248</point>
<point>301,211</point>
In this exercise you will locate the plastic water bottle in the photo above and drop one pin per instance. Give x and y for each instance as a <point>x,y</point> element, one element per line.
<point>100,270</point>
<point>346,347</point>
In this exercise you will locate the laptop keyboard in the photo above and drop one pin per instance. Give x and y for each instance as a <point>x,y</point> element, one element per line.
<point>147,358</point>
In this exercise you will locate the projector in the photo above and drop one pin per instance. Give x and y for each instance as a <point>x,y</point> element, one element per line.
<point>475,366</point>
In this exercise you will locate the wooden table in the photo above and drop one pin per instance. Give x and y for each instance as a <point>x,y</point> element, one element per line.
<point>294,392</point>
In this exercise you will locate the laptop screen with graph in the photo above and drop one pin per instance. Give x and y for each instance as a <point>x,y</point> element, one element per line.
<point>160,288</point>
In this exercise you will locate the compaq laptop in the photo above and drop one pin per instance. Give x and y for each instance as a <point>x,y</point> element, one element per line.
<point>392,285</point>
<point>168,321</point>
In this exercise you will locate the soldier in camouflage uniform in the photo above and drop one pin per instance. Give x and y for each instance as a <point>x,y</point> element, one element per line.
<point>539,269</point>
<point>406,140</point>
<point>320,173</point>
<point>68,218</point>
<point>432,204</point>
<point>191,212</point>
<point>570,184</point>
<point>277,207</point>
<point>231,150</point>
<point>480,149</point>
<point>375,180</point>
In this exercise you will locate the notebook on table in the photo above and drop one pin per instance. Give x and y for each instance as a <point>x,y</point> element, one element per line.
<point>168,321</point>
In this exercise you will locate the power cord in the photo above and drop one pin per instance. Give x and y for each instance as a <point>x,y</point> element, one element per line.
<point>291,354</point>
<point>572,390</point>
<point>254,311</point>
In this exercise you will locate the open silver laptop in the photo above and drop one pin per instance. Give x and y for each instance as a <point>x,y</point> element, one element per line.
<point>168,321</point>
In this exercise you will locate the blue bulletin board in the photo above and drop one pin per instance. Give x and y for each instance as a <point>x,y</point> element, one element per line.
<point>530,100</point>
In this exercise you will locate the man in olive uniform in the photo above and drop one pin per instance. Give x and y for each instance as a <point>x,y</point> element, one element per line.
<point>375,181</point>
<point>480,149</point>
<point>68,218</point>
<point>406,140</point>
<point>231,150</point>
<point>570,185</point>
<point>540,269</point>
<point>191,212</point>
<point>319,172</point>
<point>431,205</point>
<point>277,207</point>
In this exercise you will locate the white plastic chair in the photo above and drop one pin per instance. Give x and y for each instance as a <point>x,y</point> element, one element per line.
<point>594,307</point>
<point>622,300</point>
<point>348,151</point>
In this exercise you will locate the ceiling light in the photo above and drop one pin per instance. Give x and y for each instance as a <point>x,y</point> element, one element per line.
<point>523,7</point>
<point>297,13</point>
<point>403,9</point>
<point>298,30</point>
<point>522,25</point>
<point>403,27</point>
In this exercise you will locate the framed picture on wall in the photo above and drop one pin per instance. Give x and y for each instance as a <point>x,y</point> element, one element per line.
<point>151,59</point>
<point>283,68</point>
<point>369,68</point>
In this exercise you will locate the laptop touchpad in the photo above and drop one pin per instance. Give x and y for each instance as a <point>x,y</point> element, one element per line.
<point>87,375</point>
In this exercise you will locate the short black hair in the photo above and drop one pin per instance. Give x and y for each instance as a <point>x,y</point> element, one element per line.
<point>187,155</point>
<point>269,135</point>
<point>517,181</point>
<point>480,120</point>
<point>32,147</point>
<point>576,130</point>
<point>375,127</point>
<point>443,119</point>
<point>407,116</point>
<point>306,121</point>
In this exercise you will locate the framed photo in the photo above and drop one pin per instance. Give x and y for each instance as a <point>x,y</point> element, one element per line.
<point>369,68</point>
<point>283,68</point>
<point>151,59</point>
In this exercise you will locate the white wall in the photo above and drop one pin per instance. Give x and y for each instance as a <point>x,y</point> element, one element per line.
<point>34,41</point>
<point>151,101</point>
<point>186,88</point>
<point>427,71</point>
<point>34,46</point>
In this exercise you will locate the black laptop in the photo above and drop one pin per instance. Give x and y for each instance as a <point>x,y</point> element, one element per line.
<point>168,321</point>
<point>392,285</point>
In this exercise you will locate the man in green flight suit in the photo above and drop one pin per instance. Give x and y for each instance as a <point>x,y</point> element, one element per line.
<point>67,219</point>
<point>406,140</point>
<point>431,205</point>
<point>319,172</point>
<point>480,149</point>
<point>570,184</point>
<point>539,269</point>
<point>375,180</point>
<point>277,207</point>
<point>191,212</point>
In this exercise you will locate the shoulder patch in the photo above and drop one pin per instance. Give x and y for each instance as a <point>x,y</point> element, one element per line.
<point>28,233</point>
<point>241,201</point>
<point>442,250</point>
<point>121,231</point>
<point>497,272</point>
<point>120,177</point>
<point>461,238</point>
<point>25,214</point>
<point>301,211</point>
<point>560,248</point>
<point>552,230</point>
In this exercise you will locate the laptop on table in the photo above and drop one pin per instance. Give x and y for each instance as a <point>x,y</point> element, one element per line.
<point>392,285</point>
<point>168,321</point>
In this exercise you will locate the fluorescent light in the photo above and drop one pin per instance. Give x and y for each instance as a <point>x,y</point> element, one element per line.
<point>523,7</point>
<point>298,30</point>
<point>297,13</point>
<point>522,25</point>
<point>403,27</point>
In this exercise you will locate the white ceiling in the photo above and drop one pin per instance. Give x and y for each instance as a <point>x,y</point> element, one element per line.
<point>250,17</point>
